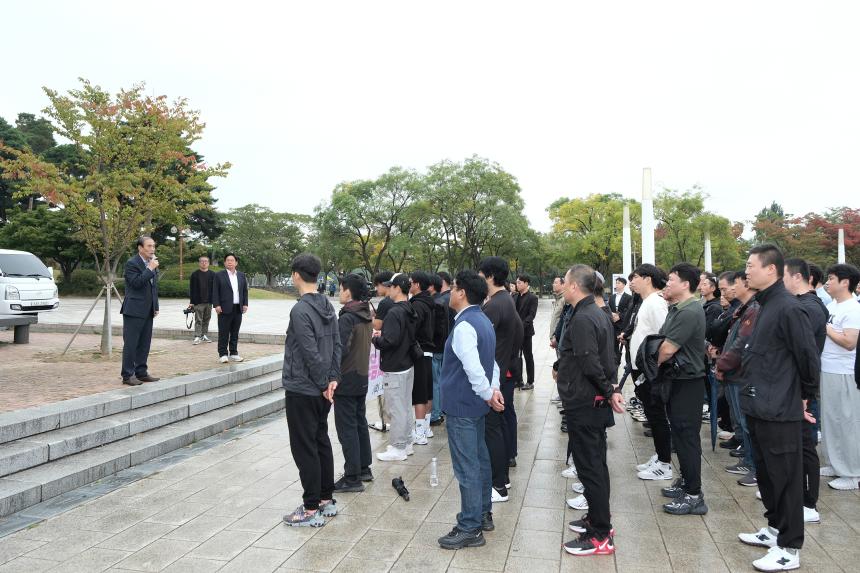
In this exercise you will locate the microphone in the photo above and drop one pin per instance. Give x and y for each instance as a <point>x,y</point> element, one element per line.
<point>397,483</point>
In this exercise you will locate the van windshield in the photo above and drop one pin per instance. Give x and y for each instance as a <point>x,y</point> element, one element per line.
<point>25,265</point>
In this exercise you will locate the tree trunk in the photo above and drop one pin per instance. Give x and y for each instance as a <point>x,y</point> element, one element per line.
<point>107,325</point>
<point>269,282</point>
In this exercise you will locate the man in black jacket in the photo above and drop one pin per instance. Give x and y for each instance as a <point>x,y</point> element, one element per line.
<point>586,383</point>
<point>619,302</point>
<point>200,290</point>
<point>230,297</point>
<point>781,368</point>
<point>398,353</point>
<point>422,387</point>
<point>138,309</point>
<point>527,305</point>
<point>349,409</point>
<point>442,282</point>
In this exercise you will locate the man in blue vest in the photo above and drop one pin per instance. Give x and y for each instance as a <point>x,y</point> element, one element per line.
<point>469,386</point>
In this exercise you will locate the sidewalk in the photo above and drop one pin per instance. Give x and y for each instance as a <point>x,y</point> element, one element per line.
<point>217,506</point>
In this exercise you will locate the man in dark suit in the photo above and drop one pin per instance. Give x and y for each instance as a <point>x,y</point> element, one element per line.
<point>230,297</point>
<point>619,302</point>
<point>138,309</point>
<point>527,305</point>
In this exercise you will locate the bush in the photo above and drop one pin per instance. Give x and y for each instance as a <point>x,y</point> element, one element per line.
<point>83,282</point>
<point>173,288</point>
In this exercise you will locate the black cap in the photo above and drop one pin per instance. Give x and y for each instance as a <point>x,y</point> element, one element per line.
<point>399,280</point>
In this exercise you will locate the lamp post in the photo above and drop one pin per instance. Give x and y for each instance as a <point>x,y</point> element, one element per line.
<point>179,234</point>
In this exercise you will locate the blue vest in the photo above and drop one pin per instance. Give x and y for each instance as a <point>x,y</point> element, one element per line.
<point>458,398</point>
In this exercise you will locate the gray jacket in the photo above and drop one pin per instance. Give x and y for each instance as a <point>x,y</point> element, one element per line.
<point>312,349</point>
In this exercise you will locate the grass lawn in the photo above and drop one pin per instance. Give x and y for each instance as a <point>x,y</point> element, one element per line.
<point>260,294</point>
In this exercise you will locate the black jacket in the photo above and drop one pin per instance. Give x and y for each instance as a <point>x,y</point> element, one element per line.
<point>502,312</point>
<point>397,339</point>
<point>781,363</point>
<point>620,309</point>
<point>586,366</point>
<point>712,310</point>
<point>141,289</point>
<point>660,376</point>
<point>354,329</point>
<point>527,305</point>
<point>201,287</point>
<point>424,310</point>
<point>818,316</point>
<point>222,292</point>
<point>312,349</point>
<point>717,330</point>
<point>629,318</point>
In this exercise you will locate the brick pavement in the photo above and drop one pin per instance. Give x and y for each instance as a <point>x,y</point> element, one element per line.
<point>220,510</point>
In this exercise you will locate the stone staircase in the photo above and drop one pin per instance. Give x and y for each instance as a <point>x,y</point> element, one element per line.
<point>51,449</point>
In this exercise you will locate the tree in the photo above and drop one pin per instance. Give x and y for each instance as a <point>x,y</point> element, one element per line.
<point>37,132</point>
<point>133,148</point>
<point>48,234</point>
<point>264,241</point>
<point>10,139</point>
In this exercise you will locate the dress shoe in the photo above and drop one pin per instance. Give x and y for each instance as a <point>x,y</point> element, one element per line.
<point>148,378</point>
<point>132,381</point>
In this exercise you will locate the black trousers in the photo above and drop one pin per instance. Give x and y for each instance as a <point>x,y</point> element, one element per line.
<point>136,340</point>
<point>527,354</point>
<point>779,469</point>
<point>811,464</point>
<point>228,330</point>
<point>589,457</point>
<point>655,412</point>
<point>494,436</point>
<point>685,421</point>
<point>307,421</point>
<point>510,416</point>
<point>350,421</point>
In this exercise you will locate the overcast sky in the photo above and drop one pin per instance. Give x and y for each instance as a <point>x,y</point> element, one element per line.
<point>753,101</point>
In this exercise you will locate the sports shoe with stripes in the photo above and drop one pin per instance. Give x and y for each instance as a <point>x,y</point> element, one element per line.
<point>584,524</point>
<point>657,471</point>
<point>651,461</point>
<point>588,544</point>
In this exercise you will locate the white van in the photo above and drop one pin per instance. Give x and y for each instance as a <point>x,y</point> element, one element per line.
<point>26,284</point>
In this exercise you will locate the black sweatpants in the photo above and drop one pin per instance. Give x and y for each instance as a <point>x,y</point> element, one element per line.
<point>307,420</point>
<point>228,331</point>
<point>494,436</point>
<point>589,457</point>
<point>527,354</point>
<point>350,421</point>
<point>510,416</point>
<point>811,465</point>
<point>779,469</point>
<point>655,411</point>
<point>685,421</point>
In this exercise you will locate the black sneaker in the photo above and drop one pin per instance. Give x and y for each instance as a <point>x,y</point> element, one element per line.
<point>459,539</point>
<point>584,524</point>
<point>675,490</point>
<point>438,422</point>
<point>731,443</point>
<point>748,480</point>
<point>738,452</point>
<point>687,505</point>
<point>345,484</point>
<point>366,475</point>
<point>738,468</point>
<point>589,544</point>
<point>528,387</point>
<point>512,463</point>
<point>487,522</point>
<point>648,434</point>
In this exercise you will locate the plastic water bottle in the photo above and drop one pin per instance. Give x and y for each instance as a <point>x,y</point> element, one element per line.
<point>434,475</point>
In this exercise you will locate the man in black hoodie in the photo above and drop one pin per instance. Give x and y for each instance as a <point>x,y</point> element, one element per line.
<point>398,353</point>
<point>527,305</point>
<point>310,376</point>
<point>349,408</point>
<point>422,388</point>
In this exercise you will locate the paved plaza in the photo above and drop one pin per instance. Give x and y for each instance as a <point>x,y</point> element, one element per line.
<point>217,506</point>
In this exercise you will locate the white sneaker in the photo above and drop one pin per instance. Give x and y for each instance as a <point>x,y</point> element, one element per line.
<point>392,454</point>
<point>197,341</point>
<point>819,438</point>
<point>778,559</point>
<point>579,502</point>
<point>578,487</point>
<point>827,471</point>
<point>724,435</point>
<point>758,494</point>
<point>845,483</point>
<point>651,461</point>
<point>236,358</point>
<point>418,437</point>
<point>762,538</point>
<point>810,515</point>
<point>428,431</point>
<point>409,450</point>
<point>497,497</point>
<point>555,399</point>
<point>223,360</point>
<point>658,470</point>
<point>569,473</point>
<point>206,338</point>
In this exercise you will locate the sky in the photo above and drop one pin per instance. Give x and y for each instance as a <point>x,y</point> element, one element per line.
<point>752,101</point>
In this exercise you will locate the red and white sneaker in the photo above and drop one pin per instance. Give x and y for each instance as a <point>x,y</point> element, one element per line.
<point>587,544</point>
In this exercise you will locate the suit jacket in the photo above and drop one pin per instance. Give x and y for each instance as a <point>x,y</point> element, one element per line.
<point>222,292</point>
<point>620,308</point>
<point>141,289</point>
<point>527,305</point>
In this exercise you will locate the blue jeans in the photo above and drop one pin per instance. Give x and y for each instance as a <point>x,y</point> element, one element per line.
<point>436,412</point>
<point>733,395</point>
<point>471,462</point>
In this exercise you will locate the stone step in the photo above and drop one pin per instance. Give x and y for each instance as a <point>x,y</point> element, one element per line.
<point>40,419</point>
<point>50,446</point>
<point>34,485</point>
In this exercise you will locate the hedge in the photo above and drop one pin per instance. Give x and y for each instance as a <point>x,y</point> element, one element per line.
<point>86,282</point>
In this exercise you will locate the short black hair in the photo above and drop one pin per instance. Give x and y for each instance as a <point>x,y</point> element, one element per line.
<point>740,276</point>
<point>524,278</point>
<point>559,277</point>
<point>473,285</point>
<point>495,268</point>
<point>687,272</point>
<point>816,274</point>
<point>584,277</point>
<point>141,240</point>
<point>656,274</point>
<point>621,280</point>
<point>728,276</point>
<point>401,281</point>
<point>423,279</point>
<point>445,277</point>
<point>307,265</point>
<point>769,254</point>
<point>712,278</point>
<point>843,271</point>
<point>235,258</point>
<point>798,266</point>
<point>436,281</point>
<point>356,285</point>
<point>381,277</point>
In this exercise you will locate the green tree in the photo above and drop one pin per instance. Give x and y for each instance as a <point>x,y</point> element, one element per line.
<point>10,139</point>
<point>47,233</point>
<point>37,132</point>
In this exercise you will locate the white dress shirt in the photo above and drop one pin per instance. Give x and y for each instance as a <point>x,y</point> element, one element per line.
<point>234,282</point>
